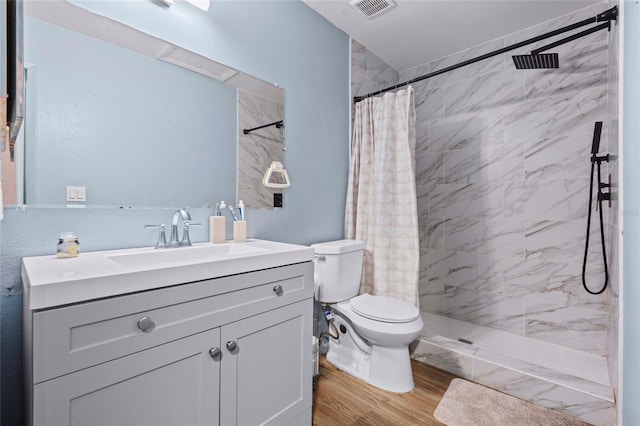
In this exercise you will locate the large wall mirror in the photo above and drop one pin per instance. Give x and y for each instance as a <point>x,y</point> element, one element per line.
<point>123,115</point>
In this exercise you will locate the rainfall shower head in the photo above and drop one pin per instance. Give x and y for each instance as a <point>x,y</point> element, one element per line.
<point>534,62</point>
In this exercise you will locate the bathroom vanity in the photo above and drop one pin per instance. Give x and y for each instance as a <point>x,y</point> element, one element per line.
<point>202,335</point>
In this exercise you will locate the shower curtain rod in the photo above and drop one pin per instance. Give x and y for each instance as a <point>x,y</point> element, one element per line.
<point>278,125</point>
<point>608,16</point>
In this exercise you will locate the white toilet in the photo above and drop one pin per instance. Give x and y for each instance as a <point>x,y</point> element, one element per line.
<point>374,331</point>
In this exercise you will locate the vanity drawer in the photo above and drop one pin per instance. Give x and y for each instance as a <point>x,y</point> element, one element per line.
<point>87,334</point>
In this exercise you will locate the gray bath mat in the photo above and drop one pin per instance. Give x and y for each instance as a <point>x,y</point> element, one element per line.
<point>467,403</point>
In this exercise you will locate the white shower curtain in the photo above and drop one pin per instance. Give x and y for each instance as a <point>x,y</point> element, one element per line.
<point>381,205</point>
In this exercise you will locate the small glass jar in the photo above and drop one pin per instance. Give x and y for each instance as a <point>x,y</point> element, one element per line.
<point>68,245</point>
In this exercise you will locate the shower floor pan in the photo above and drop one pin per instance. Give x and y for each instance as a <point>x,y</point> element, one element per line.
<point>563,379</point>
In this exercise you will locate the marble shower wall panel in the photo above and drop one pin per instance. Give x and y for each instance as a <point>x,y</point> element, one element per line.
<point>471,200</point>
<point>486,309</point>
<point>432,234</point>
<point>469,131</point>
<point>577,328</point>
<point>488,164</point>
<point>562,241</point>
<point>560,199</point>
<point>562,157</point>
<point>552,282</point>
<point>489,237</point>
<point>368,72</point>
<point>467,271</point>
<point>570,113</point>
<point>431,238</point>
<point>484,92</point>
<point>429,103</point>
<point>583,68</point>
<point>502,163</point>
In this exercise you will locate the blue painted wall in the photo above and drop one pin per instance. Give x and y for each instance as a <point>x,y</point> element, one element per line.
<point>279,41</point>
<point>631,240</point>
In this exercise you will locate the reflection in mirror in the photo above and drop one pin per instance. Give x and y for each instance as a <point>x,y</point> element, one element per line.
<point>260,142</point>
<point>133,130</point>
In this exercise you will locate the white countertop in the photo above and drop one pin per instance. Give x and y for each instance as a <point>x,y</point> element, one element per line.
<point>50,281</point>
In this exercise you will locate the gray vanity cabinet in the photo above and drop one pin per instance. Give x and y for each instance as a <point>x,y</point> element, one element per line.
<point>177,383</point>
<point>265,379</point>
<point>234,350</point>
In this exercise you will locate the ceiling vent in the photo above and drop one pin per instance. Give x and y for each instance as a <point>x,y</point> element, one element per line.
<point>371,8</point>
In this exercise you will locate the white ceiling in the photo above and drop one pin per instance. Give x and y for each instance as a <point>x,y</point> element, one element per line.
<point>417,31</point>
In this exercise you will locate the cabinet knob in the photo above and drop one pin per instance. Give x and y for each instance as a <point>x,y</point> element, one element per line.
<point>278,290</point>
<point>232,346</point>
<point>215,353</point>
<point>146,325</point>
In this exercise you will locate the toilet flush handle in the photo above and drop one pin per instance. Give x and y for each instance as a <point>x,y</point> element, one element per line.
<point>320,257</point>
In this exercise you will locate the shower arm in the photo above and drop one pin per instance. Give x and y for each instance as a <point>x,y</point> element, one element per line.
<point>576,36</point>
<point>608,16</point>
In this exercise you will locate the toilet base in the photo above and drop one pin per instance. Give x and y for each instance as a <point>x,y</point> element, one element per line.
<point>399,378</point>
<point>387,368</point>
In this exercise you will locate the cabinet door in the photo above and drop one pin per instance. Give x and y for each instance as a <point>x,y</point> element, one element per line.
<point>267,379</point>
<point>177,383</point>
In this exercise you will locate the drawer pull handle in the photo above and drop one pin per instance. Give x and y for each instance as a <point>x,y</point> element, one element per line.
<point>215,353</point>
<point>232,346</point>
<point>146,325</point>
<point>278,290</point>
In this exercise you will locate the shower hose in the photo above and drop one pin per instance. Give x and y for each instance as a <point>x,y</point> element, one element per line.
<point>601,196</point>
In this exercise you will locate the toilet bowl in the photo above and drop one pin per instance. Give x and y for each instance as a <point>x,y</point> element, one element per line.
<point>373,332</point>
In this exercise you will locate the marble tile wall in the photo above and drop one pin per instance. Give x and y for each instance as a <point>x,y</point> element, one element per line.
<point>368,72</point>
<point>258,149</point>
<point>502,165</point>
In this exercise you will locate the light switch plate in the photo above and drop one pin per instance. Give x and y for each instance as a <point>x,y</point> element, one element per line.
<point>76,193</point>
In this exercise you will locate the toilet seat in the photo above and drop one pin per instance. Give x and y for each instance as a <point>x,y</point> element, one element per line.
<point>384,309</point>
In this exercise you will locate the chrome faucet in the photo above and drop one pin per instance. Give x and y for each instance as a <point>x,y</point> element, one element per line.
<point>186,220</point>
<point>174,241</point>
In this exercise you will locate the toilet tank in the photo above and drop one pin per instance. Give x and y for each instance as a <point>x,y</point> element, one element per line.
<point>338,268</point>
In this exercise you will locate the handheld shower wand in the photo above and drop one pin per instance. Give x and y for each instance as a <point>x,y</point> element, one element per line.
<point>595,159</point>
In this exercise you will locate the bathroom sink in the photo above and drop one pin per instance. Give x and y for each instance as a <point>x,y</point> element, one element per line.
<point>194,254</point>
<point>51,281</point>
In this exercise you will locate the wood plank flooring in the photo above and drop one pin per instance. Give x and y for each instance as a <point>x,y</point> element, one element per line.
<point>340,399</point>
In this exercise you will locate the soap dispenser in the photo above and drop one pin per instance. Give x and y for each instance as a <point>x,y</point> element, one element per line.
<point>217,225</point>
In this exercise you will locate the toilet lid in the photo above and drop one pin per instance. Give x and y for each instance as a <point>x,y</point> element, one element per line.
<point>386,309</point>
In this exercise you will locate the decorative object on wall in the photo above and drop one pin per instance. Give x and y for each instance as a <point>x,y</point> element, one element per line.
<point>381,205</point>
<point>276,176</point>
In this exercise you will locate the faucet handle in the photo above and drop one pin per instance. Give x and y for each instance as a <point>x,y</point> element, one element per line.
<point>186,240</point>
<point>162,236</point>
